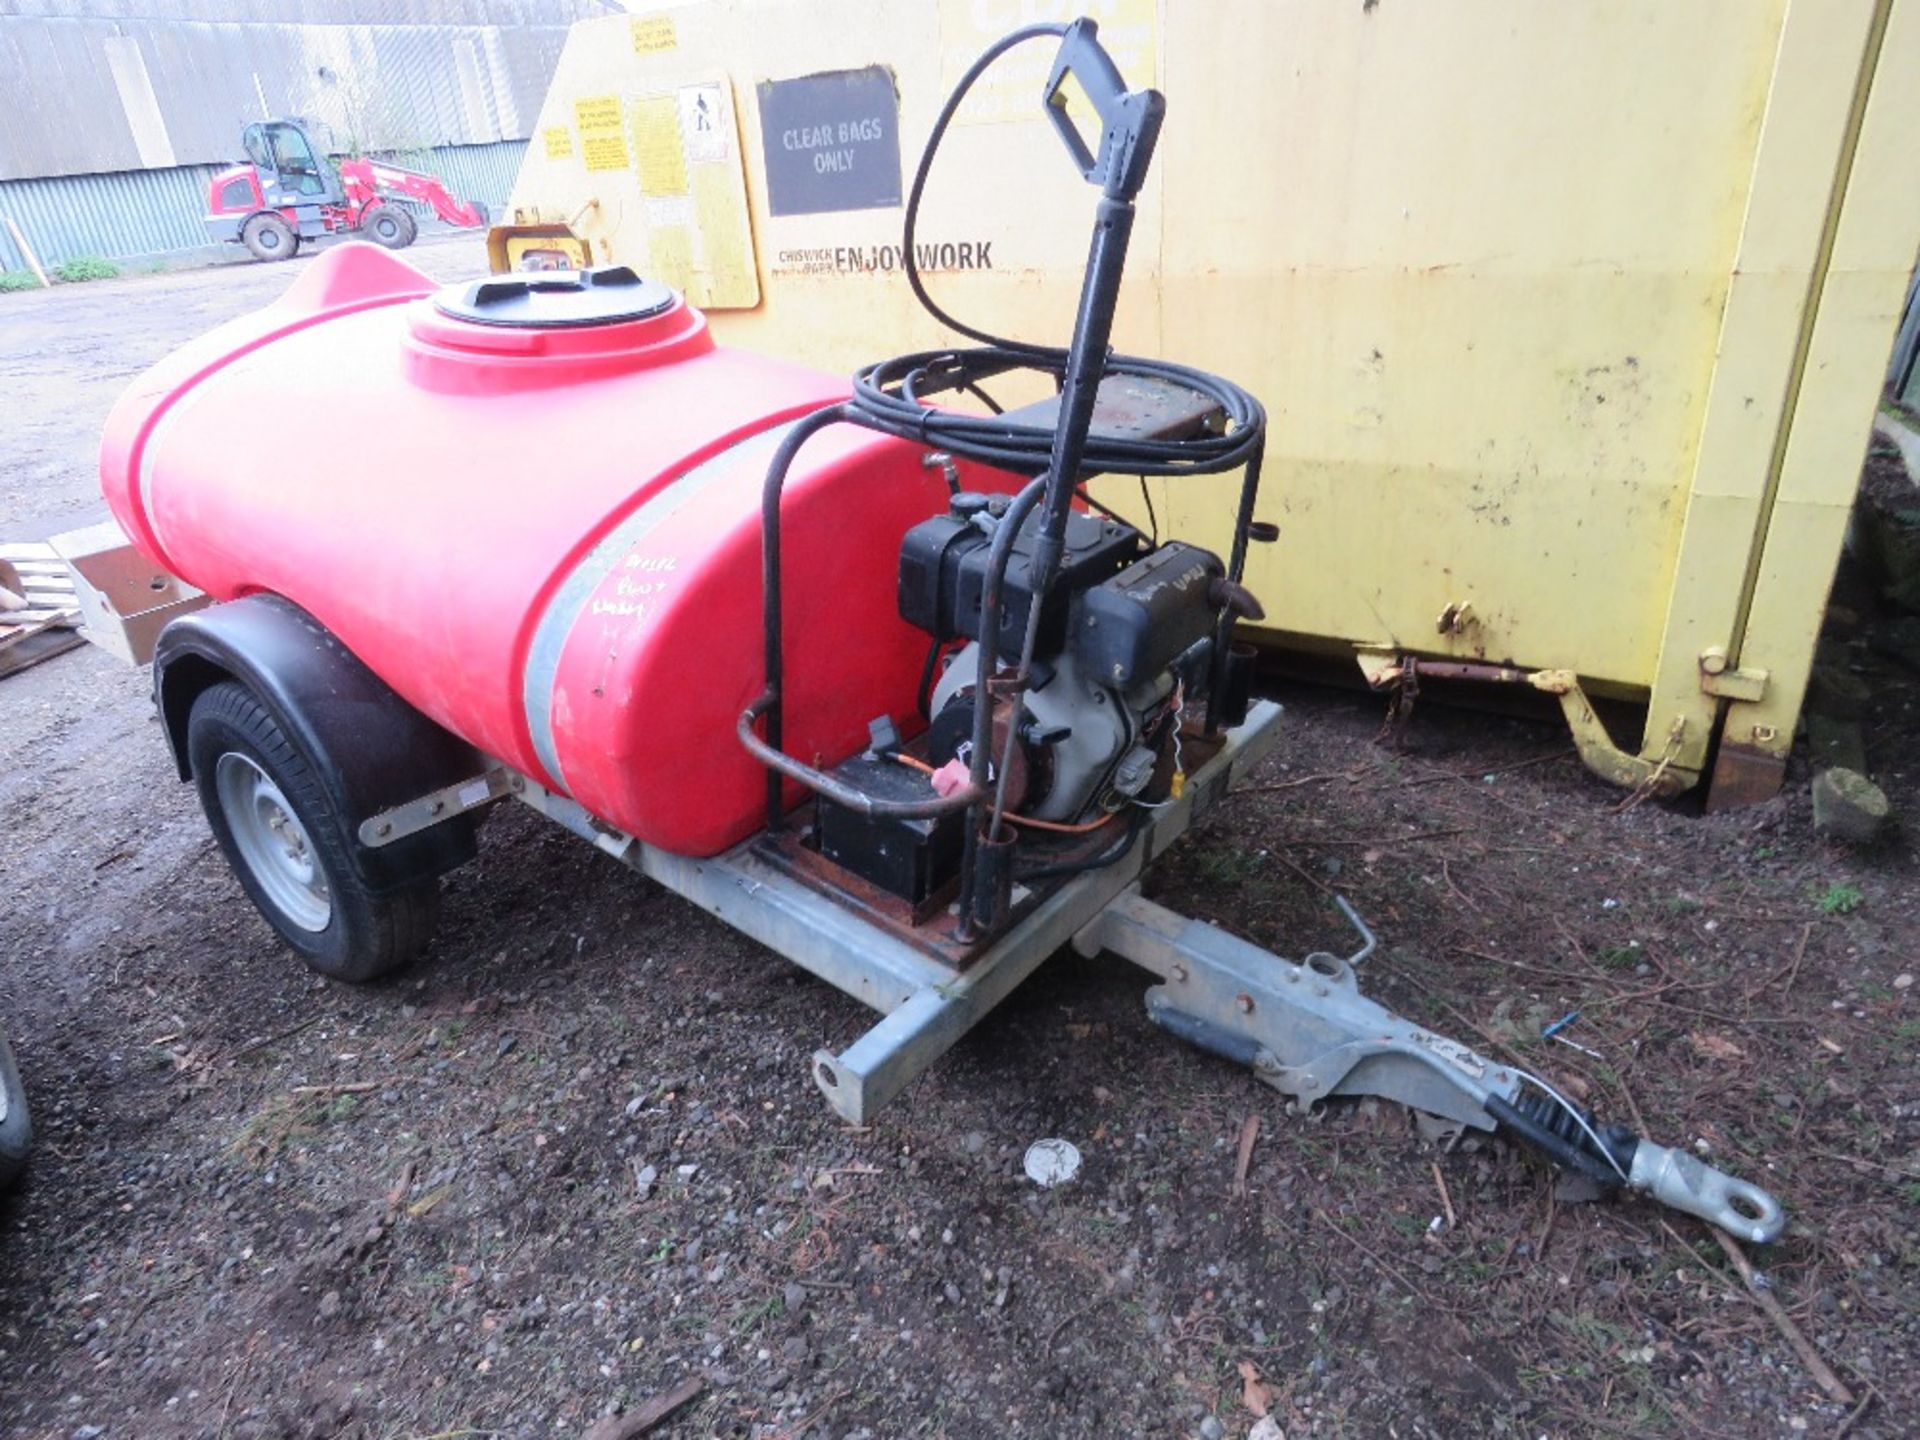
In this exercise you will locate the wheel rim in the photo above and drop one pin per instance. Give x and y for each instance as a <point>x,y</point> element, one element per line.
<point>269,238</point>
<point>386,227</point>
<point>274,844</point>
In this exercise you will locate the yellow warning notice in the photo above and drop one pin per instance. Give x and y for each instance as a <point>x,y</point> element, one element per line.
<point>653,34</point>
<point>559,141</point>
<point>597,112</point>
<point>603,139</point>
<point>657,146</point>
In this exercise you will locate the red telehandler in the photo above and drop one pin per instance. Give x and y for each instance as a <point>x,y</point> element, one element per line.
<point>290,191</point>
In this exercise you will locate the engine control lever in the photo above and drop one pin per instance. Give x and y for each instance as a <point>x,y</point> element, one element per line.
<point>1305,1029</point>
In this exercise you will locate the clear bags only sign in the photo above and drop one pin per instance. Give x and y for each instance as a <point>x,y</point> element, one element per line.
<point>831,141</point>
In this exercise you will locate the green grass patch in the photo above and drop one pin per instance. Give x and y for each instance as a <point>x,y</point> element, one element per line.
<point>1840,899</point>
<point>83,268</point>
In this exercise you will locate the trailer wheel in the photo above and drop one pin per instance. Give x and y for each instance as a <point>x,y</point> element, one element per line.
<point>388,225</point>
<point>269,237</point>
<point>290,848</point>
<point>16,1129</point>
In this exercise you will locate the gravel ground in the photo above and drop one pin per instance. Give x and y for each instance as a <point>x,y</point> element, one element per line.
<point>574,1157</point>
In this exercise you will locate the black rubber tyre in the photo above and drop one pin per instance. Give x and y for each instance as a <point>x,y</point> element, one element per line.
<point>268,237</point>
<point>16,1130</point>
<point>291,850</point>
<point>388,226</point>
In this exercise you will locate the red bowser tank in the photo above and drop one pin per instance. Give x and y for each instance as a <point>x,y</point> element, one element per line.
<point>531,505</point>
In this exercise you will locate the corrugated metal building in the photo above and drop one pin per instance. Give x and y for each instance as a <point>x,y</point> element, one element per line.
<point>115,114</point>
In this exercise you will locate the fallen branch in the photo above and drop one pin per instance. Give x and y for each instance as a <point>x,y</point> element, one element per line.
<point>357,1087</point>
<point>638,1422</point>
<point>1796,1337</point>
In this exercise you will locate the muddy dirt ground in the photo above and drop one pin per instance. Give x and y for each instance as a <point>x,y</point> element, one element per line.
<point>266,1205</point>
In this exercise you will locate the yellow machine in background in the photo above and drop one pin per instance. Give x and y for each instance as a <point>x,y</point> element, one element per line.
<point>1570,318</point>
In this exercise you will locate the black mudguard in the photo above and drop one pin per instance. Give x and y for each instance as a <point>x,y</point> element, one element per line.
<point>372,749</point>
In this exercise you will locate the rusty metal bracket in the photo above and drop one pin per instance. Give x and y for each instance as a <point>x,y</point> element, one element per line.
<point>462,797</point>
<point>1656,774</point>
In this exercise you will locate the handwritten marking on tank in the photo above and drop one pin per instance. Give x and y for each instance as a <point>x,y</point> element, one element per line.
<point>627,609</point>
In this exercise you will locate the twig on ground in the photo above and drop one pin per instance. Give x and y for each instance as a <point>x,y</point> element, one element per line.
<point>819,1410</point>
<point>1053,1335</point>
<point>286,1034</point>
<point>1862,1160</point>
<point>1469,776</point>
<point>1329,841</point>
<point>1786,972</point>
<point>1351,776</point>
<point>356,1087</point>
<point>1459,894</point>
<point>1249,1132</point>
<point>1446,1200</point>
<point>1375,1256</point>
<point>1316,883</point>
<point>638,1422</point>
<point>239,1374</point>
<point>1847,1424</point>
<point>1796,1337</point>
<point>399,1191</point>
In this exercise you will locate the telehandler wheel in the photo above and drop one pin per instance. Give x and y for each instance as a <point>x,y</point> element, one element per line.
<point>388,226</point>
<point>269,237</point>
<point>290,848</point>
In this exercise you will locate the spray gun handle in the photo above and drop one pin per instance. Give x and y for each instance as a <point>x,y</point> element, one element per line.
<point>1129,119</point>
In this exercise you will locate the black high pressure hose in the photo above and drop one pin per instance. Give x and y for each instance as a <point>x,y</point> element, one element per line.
<point>892,397</point>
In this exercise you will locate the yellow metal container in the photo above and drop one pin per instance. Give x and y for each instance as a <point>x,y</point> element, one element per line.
<point>1571,318</point>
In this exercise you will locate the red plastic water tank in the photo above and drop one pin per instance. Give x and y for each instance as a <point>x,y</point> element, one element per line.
<point>535,513</point>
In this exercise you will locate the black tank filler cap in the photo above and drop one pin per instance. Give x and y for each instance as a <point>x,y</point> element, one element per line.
<point>557,299</point>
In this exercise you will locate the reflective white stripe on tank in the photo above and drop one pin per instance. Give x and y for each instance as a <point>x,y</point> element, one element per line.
<point>570,598</point>
<point>149,454</point>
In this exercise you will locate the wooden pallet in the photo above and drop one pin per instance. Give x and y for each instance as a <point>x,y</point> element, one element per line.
<point>48,625</point>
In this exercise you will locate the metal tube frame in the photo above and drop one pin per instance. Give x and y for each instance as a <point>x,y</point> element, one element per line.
<point>927,1004</point>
